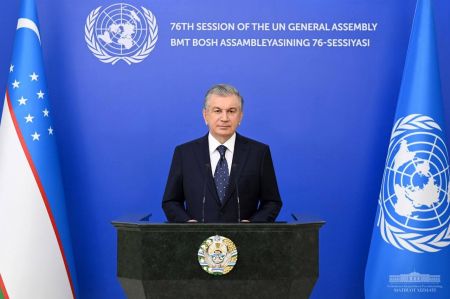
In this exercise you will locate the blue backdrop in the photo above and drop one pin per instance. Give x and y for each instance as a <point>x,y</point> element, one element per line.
<point>327,111</point>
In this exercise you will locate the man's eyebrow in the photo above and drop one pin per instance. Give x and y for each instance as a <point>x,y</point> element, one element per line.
<point>217,107</point>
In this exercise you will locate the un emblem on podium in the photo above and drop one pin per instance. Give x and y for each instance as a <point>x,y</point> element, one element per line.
<point>217,255</point>
<point>121,32</point>
<point>414,212</point>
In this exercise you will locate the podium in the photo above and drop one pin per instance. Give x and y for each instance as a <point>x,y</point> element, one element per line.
<point>275,260</point>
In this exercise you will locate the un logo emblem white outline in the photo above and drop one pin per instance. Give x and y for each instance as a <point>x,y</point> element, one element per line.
<point>102,46</point>
<point>414,198</point>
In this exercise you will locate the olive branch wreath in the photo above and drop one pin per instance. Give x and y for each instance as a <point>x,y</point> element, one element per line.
<point>395,236</point>
<point>101,54</point>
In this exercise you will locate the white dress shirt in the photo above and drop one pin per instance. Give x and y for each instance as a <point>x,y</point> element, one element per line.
<point>214,154</point>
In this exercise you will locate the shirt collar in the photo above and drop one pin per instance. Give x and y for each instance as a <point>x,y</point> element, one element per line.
<point>213,143</point>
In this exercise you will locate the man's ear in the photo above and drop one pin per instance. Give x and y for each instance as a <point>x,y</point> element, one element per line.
<point>204,115</point>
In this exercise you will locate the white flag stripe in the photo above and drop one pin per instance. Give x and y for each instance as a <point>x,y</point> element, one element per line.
<point>31,262</point>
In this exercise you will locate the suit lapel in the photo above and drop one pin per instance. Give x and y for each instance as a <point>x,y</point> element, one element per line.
<point>239,157</point>
<point>204,162</point>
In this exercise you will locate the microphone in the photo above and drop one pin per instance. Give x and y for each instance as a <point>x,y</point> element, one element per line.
<point>238,202</point>
<point>237,196</point>
<point>207,168</point>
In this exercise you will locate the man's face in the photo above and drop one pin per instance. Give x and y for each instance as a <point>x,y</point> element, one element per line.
<point>222,115</point>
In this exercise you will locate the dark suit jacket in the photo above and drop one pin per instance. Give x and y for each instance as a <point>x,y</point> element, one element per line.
<point>190,179</point>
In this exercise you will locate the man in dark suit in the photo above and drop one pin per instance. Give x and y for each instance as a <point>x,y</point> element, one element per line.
<point>223,176</point>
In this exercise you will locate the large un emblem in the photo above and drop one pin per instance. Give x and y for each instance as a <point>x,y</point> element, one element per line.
<point>217,255</point>
<point>121,32</point>
<point>414,197</point>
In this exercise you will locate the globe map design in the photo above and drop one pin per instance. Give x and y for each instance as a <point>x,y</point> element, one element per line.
<point>414,194</point>
<point>121,29</point>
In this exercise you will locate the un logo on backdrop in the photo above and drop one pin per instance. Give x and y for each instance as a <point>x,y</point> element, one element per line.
<point>121,32</point>
<point>414,197</point>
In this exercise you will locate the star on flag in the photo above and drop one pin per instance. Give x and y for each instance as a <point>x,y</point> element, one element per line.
<point>33,115</point>
<point>29,118</point>
<point>35,136</point>
<point>40,94</point>
<point>22,101</point>
<point>34,76</point>
<point>15,84</point>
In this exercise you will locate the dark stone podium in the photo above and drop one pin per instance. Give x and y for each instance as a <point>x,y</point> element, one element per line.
<point>275,260</point>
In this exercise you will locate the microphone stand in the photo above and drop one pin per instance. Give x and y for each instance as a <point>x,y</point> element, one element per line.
<point>207,168</point>
<point>237,196</point>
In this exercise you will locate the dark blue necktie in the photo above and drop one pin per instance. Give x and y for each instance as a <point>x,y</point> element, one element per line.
<point>221,175</point>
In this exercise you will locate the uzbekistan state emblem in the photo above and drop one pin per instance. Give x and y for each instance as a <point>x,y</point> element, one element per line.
<point>217,255</point>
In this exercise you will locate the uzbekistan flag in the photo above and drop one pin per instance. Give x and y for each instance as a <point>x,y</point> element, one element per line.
<point>36,259</point>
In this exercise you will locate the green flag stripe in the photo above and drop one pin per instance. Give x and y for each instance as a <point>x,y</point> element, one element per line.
<point>3,294</point>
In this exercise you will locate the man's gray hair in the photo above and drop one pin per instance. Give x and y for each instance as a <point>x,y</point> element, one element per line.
<point>223,90</point>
